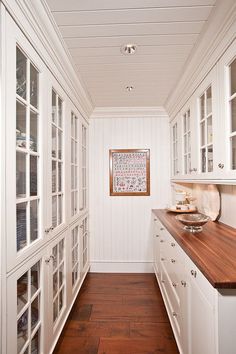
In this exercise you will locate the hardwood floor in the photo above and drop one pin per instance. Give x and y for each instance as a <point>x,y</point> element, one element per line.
<point>118,314</point>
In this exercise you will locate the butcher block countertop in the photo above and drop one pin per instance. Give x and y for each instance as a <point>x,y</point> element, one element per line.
<point>213,250</point>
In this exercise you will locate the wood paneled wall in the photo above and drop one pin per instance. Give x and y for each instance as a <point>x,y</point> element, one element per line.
<point>120,234</point>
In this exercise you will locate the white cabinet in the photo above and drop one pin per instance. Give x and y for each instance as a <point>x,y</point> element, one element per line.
<point>47,236</point>
<point>200,315</point>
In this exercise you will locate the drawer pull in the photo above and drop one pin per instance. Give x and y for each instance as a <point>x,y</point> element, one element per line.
<point>194,273</point>
<point>174,314</point>
<point>162,259</point>
<point>174,285</point>
<point>162,229</point>
<point>163,281</point>
<point>157,235</point>
<point>155,219</point>
<point>173,260</point>
<point>161,241</point>
<point>183,283</point>
<point>172,244</point>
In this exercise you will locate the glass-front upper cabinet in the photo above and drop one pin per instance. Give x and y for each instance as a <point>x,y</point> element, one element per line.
<point>74,161</point>
<point>175,147</point>
<point>186,141</point>
<point>83,166</point>
<point>232,112</point>
<point>24,112</point>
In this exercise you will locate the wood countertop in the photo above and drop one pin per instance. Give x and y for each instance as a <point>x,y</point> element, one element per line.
<point>213,250</point>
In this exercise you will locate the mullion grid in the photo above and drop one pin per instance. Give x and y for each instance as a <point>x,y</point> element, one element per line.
<point>28,307</point>
<point>75,255</point>
<point>85,241</point>
<point>232,134</point>
<point>27,154</point>
<point>84,166</point>
<point>74,164</point>
<point>57,194</point>
<point>175,151</point>
<point>203,121</point>
<point>60,264</point>
<point>186,139</point>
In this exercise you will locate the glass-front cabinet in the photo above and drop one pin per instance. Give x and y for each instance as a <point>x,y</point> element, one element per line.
<point>175,147</point>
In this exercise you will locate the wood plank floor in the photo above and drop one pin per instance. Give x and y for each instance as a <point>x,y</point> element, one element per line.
<point>118,314</point>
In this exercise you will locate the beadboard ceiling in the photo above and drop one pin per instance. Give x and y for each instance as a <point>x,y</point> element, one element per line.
<point>165,32</point>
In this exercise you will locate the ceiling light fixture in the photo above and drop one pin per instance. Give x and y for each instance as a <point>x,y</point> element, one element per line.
<point>129,88</point>
<point>128,49</point>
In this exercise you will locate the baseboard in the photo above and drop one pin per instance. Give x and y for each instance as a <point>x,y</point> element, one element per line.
<point>121,267</point>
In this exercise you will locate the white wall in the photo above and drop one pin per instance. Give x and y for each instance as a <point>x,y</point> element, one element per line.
<point>228,205</point>
<point>120,226</point>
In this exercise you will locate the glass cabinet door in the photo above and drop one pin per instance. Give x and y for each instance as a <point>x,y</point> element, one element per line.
<point>175,148</point>
<point>27,151</point>
<point>83,168</point>
<point>57,160</point>
<point>75,256</point>
<point>84,244</point>
<point>186,142</point>
<point>206,130</point>
<point>232,112</point>
<point>74,165</point>
<point>25,331</point>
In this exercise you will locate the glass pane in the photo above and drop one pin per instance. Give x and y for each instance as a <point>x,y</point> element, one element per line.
<point>54,176</point>
<point>35,343</point>
<point>33,175</point>
<point>233,153</point>
<point>33,131</point>
<point>233,115</point>
<point>35,278</point>
<point>61,275</point>
<point>55,284</point>
<point>54,211</point>
<point>185,164</point>
<point>59,176</point>
<point>21,232</point>
<point>202,107</point>
<point>75,174</point>
<point>72,151</point>
<point>233,77</point>
<point>61,250</point>
<point>33,220</point>
<point>209,130</point>
<point>35,311</point>
<point>33,86</point>
<point>210,158</point>
<point>59,112</point>
<point>54,141</point>
<point>185,144</point>
<point>59,144</point>
<point>22,291</point>
<point>72,204</point>
<point>209,100</point>
<point>55,309</point>
<point>60,199</point>
<point>20,125</point>
<point>54,107</point>
<point>61,298</point>
<point>72,178</point>
<point>22,331</point>
<point>203,133</point>
<point>72,126</point>
<point>203,157</point>
<point>189,142</point>
<point>76,127</point>
<point>185,124</point>
<point>75,152</point>
<point>75,202</point>
<point>20,175</point>
<point>55,257</point>
<point>21,73</point>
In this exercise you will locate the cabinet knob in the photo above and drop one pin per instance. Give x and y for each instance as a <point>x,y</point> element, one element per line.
<point>221,165</point>
<point>172,244</point>
<point>48,229</point>
<point>162,229</point>
<point>163,281</point>
<point>174,285</point>
<point>194,273</point>
<point>173,260</point>
<point>155,219</point>
<point>193,169</point>
<point>174,314</point>
<point>162,259</point>
<point>157,235</point>
<point>51,258</point>
<point>183,283</point>
<point>161,241</point>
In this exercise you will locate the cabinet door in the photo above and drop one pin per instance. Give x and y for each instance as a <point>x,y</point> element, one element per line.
<point>56,303</point>
<point>227,81</point>
<point>176,167</point>
<point>25,111</point>
<point>83,166</point>
<point>156,246</point>
<point>200,333</point>
<point>74,164</point>
<point>76,261</point>
<point>25,292</point>
<point>84,241</point>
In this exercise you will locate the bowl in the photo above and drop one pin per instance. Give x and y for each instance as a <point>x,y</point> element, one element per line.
<point>193,222</point>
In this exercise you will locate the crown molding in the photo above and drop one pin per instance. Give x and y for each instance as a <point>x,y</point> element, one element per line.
<point>218,34</point>
<point>38,25</point>
<point>128,112</point>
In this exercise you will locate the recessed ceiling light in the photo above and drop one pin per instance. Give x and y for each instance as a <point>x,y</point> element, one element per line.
<point>128,49</point>
<point>129,88</point>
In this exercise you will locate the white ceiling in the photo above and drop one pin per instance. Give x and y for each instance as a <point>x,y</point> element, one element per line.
<point>165,32</point>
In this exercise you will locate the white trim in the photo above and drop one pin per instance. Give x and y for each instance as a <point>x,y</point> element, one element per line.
<point>36,21</point>
<point>205,181</point>
<point>128,112</point>
<point>121,267</point>
<point>214,40</point>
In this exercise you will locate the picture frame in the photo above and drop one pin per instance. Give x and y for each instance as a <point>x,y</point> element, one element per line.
<point>129,172</point>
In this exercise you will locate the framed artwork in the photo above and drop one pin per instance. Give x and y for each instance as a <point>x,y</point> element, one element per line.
<point>129,172</point>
